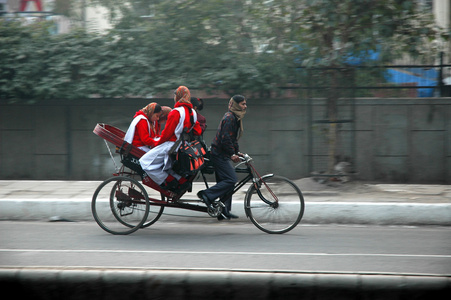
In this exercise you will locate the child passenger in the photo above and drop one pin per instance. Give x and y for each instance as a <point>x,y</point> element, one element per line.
<point>143,131</point>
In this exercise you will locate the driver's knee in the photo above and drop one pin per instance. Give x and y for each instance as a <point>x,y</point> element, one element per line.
<point>229,183</point>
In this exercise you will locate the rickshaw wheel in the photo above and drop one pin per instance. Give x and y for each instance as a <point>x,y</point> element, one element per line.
<point>155,213</point>
<point>120,205</point>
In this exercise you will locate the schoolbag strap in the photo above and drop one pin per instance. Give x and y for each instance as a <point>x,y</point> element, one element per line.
<point>186,135</point>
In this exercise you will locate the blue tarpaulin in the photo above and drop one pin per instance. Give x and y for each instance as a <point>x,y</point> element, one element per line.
<point>400,76</point>
<point>410,77</point>
<point>415,76</point>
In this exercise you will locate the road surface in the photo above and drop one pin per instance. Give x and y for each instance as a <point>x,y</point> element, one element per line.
<point>229,246</point>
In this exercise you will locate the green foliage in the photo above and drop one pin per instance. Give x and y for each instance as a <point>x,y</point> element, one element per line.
<point>336,29</point>
<point>201,44</point>
<point>249,47</point>
<point>37,65</point>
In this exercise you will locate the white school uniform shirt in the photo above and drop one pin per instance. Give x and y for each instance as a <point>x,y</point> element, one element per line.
<point>131,131</point>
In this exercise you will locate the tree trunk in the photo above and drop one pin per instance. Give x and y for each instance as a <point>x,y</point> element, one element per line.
<point>332,114</point>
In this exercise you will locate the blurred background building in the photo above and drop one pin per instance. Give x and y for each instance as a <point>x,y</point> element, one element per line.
<point>66,14</point>
<point>95,17</point>
<point>442,12</point>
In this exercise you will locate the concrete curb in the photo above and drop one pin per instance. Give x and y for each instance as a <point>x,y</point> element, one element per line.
<point>380,213</point>
<point>85,283</point>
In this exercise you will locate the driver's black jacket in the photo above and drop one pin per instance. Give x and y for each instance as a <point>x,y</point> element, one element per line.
<point>225,142</point>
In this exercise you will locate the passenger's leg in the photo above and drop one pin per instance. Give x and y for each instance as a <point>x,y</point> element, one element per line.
<point>155,168</point>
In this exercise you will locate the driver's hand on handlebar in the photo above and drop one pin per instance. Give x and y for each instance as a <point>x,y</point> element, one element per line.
<point>235,158</point>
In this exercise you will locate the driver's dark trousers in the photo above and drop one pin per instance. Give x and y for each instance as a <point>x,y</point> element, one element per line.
<point>225,178</point>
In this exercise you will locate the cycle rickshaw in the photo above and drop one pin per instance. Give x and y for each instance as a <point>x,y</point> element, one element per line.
<point>121,204</point>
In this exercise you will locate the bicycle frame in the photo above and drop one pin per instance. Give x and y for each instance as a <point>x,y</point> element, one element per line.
<point>252,174</point>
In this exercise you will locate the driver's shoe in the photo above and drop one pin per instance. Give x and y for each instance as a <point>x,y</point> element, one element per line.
<point>225,214</point>
<point>204,198</point>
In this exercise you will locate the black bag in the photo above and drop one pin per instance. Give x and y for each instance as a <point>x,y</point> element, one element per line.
<point>189,159</point>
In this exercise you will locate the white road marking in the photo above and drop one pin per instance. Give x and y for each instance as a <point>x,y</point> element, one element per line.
<point>103,251</point>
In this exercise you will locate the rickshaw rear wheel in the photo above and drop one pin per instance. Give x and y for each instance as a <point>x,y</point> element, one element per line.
<point>155,213</point>
<point>120,205</point>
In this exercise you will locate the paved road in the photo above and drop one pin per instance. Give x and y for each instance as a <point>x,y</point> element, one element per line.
<point>229,246</point>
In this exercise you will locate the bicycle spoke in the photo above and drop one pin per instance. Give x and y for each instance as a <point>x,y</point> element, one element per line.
<point>118,207</point>
<point>276,205</point>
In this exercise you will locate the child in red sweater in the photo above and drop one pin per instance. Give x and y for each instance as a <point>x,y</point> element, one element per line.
<point>144,129</point>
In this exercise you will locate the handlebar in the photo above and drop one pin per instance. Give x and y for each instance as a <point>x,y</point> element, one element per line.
<point>245,159</point>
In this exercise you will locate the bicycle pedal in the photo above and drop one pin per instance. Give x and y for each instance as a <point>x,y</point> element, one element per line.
<point>219,203</point>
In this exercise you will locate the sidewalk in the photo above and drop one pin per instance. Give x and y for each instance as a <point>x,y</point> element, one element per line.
<point>336,203</point>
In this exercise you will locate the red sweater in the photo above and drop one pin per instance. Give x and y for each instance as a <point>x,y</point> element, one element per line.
<point>142,135</point>
<point>174,119</point>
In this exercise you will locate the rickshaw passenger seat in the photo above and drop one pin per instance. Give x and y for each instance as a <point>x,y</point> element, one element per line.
<point>132,162</point>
